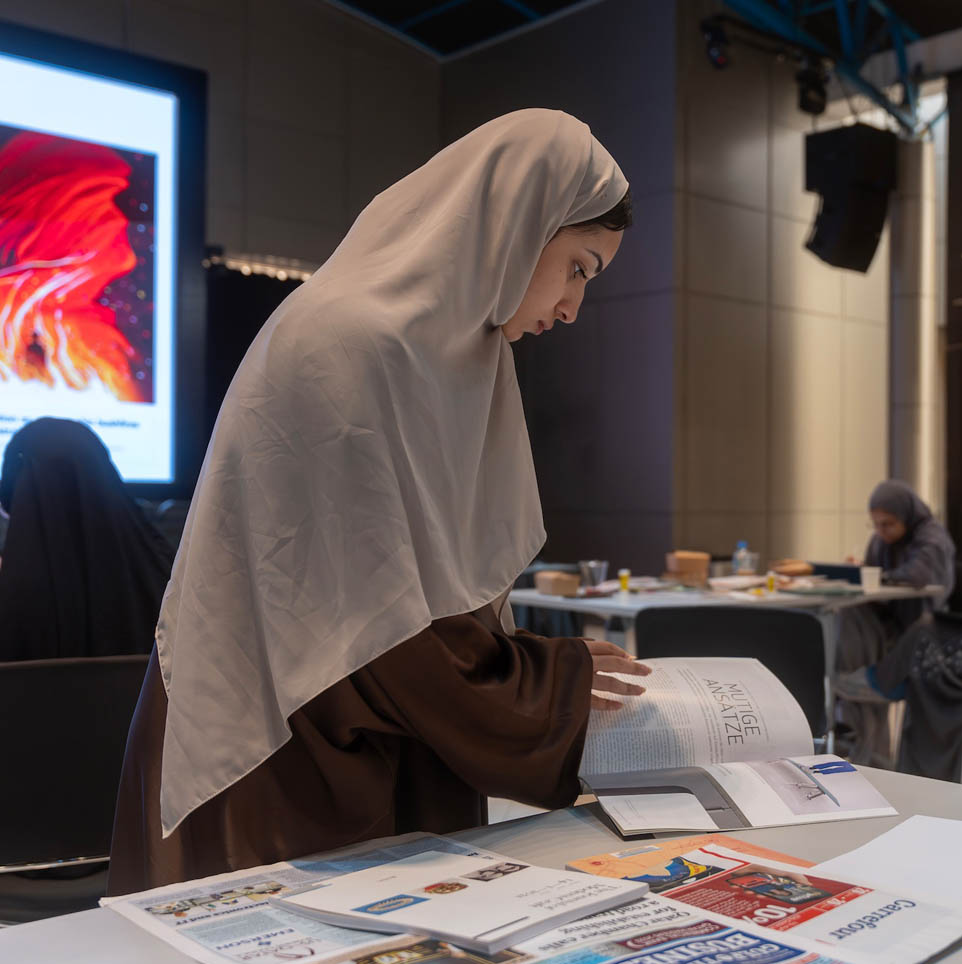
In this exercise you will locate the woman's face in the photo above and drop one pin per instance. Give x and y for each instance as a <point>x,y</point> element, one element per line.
<point>556,289</point>
<point>890,528</point>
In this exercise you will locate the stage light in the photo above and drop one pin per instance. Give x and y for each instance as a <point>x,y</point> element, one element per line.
<point>812,96</point>
<point>716,43</point>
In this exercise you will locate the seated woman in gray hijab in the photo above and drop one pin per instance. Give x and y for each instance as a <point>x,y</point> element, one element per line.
<point>914,549</point>
<point>335,660</point>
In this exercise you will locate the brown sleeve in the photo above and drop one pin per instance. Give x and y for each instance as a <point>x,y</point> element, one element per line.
<point>507,714</point>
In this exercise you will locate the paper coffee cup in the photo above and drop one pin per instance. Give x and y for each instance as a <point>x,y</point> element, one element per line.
<point>871,578</point>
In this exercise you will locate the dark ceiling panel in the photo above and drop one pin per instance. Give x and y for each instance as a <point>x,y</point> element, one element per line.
<point>449,26</point>
<point>929,17</point>
<point>546,7</point>
<point>392,12</point>
<point>461,25</point>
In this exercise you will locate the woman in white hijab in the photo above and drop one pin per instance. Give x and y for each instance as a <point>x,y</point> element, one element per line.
<point>334,658</point>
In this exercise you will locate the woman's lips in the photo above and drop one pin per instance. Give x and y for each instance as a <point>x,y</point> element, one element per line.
<point>541,327</point>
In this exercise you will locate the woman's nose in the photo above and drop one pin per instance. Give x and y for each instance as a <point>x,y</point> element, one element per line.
<point>567,309</point>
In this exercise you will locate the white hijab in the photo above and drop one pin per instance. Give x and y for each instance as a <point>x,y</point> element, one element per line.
<point>370,469</point>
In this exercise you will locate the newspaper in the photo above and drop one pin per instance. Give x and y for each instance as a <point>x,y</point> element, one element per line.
<point>229,917</point>
<point>651,931</point>
<point>855,922</point>
<point>697,711</point>
<point>656,930</point>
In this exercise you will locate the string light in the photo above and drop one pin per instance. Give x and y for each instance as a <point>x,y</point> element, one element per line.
<point>283,269</point>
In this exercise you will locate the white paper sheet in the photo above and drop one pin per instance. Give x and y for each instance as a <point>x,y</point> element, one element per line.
<point>640,812</point>
<point>918,856</point>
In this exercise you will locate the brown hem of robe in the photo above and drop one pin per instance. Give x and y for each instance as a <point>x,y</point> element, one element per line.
<point>415,740</point>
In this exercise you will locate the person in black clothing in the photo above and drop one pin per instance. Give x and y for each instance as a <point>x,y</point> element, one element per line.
<point>83,570</point>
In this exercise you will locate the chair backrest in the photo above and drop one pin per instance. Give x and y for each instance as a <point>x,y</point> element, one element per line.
<point>788,642</point>
<point>63,727</point>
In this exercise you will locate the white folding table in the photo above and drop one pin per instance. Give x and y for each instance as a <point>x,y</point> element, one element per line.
<point>104,937</point>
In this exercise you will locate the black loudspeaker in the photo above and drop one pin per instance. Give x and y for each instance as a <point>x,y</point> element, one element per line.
<point>854,170</point>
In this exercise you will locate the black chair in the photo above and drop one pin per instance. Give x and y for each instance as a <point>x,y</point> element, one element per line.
<point>786,641</point>
<point>63,723</point>
<point>546,622</point>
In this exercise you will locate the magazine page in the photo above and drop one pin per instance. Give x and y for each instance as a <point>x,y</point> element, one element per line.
<point>854,922</point>
<point>476,902</point>
<point>737,796</point>
<point>662,864</point>
<point>228,917</point>
<point>697,711</point>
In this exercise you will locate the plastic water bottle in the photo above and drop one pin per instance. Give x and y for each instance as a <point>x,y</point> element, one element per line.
<point>741,560</point>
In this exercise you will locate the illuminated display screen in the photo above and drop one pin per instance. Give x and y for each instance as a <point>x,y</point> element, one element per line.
<point>88,255</point>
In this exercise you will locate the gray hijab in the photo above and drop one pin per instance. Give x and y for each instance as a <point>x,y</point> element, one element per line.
<point>925,555</point>
<point>899,499</point>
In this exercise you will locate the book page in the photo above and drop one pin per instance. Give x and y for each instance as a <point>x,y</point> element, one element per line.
<point>697,711</point>
<point>736,796</point>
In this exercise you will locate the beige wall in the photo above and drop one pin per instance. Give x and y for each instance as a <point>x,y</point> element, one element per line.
<point>784,367</point>
<point>310,112</point>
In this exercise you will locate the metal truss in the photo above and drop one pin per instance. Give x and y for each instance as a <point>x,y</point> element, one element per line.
<point>790,21</point>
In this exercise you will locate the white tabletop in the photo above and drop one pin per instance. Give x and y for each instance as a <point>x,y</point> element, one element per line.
<point>629,604</point>
<point>551,839</point>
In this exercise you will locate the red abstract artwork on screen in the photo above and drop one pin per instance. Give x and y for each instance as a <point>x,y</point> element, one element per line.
<point>76,265</point>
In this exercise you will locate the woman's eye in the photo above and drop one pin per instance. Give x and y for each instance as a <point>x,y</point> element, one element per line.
<point>579,270</point>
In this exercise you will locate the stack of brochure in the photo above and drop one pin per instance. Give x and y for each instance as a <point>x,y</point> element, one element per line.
<point>482,904</point>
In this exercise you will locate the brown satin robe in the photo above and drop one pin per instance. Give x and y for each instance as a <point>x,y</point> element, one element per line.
<point>415,740</point>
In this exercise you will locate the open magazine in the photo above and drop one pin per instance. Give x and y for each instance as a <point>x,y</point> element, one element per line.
<point>857,922</point>
<point>716,744</point>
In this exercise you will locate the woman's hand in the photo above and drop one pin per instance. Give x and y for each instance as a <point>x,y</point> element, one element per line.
<point>609,658</point>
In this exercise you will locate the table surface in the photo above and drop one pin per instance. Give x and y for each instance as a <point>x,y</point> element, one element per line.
<point>551,839</point>
<point>631,603</point>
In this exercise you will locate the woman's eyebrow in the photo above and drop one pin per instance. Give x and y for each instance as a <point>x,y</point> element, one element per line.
<point>601,265</point>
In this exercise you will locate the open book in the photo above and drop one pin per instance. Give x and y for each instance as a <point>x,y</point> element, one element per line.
<point>716,744</point>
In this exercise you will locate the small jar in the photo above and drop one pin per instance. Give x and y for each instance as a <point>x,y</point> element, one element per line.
<point>623,576</point>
